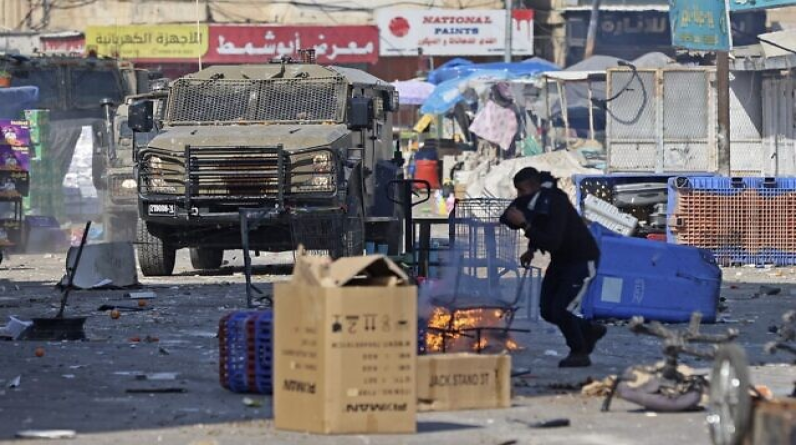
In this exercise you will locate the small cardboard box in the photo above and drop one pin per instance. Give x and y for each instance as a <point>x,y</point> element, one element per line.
<point>345,348</point>
<point>450,382</point>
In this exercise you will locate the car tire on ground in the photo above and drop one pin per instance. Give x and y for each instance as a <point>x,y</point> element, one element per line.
<point>206,259</point>
<point>155,256</point>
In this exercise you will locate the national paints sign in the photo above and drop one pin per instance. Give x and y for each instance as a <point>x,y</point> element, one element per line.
<point>148,41</point>
<point>453,32</point>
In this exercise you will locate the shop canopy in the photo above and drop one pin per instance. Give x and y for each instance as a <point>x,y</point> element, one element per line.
<point>413,92</point>
<point>460,68</point>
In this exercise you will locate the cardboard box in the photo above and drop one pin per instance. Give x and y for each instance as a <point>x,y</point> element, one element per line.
<point>450,382</point>
<point>345,348</point>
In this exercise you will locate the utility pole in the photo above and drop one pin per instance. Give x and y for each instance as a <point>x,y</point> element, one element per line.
<point>591,37</point>
<point>509,28</point>
<point>723,105</point>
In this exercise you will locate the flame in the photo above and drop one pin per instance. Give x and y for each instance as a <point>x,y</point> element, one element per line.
<point>456,334</point>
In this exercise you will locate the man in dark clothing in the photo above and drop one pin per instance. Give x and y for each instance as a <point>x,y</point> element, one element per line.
<point>552,225</point>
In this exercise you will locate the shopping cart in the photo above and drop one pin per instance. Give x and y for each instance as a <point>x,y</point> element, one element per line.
<point>485,267</point>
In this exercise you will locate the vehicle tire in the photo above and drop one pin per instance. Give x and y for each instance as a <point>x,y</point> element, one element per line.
<point>730,405</point>
<point>206,259</point>
<point>155,257</point>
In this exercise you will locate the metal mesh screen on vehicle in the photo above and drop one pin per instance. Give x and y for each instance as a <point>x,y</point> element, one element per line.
<point>250,101</point>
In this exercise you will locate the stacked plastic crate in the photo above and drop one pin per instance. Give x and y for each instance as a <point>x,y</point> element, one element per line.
<point>45,174</point>
<point>743,221</point>
<point>245,342</point>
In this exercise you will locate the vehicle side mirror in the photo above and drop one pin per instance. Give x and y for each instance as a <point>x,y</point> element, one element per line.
<point>360,113</point>
<point>140,116</point>
<point>391,101</point>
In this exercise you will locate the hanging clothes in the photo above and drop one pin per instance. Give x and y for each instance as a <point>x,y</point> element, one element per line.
<point>496,124</point>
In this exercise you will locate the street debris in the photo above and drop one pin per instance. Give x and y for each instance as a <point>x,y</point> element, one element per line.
<point>14,328</point>
<point>175,390</point>
<point>103,266</point>
<point>46,434</point>
<point>252,403</point>
<point>121,307</point>
<point>599,388</point>
<point>767,291</point>
<point>39,352</point>
<point>144,295</point>
<point>550,423</point>
<point>14,383</point>
<point>158,376</point>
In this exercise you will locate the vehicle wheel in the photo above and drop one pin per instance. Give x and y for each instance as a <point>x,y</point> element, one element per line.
<point>730,405</point>
<point>154,255</point>
<point>207,259</point>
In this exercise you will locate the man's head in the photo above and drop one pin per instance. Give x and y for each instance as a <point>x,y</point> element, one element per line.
<point>527,181</point>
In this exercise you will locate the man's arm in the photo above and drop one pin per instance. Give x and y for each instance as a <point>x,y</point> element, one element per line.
<point>552,235</point>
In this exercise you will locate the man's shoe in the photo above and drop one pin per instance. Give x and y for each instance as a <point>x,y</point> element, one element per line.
<point>596,332</point>
<point>575,360</point>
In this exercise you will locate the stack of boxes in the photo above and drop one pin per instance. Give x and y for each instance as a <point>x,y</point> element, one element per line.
<point>45,196</point>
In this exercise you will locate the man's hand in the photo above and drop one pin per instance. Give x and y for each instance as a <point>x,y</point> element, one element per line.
<point>526,258</point>
<point>515,217</point>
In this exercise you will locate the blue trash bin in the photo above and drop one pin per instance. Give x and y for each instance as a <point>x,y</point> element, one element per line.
<point>659,281</point>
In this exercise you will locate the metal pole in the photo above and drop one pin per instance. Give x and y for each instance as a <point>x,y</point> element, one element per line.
<point>507,52</point>
<point>723,104</point>
<point>591,37</point>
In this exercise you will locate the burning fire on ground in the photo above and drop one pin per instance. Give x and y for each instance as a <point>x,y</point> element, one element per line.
<point>459,335</point>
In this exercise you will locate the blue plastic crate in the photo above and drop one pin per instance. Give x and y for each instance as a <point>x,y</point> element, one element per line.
<point>246,352</point>
<point>422,330</point>
<point>743,221</point>
<point>658,281</point>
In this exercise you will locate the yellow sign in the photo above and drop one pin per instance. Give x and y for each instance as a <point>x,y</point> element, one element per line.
<point>148,41</point>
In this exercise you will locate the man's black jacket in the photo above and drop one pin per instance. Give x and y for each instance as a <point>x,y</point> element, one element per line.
<point>555,227</point>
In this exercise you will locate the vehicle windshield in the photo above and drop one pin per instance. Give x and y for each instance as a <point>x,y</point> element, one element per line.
<point>90,86</point>
<point>196,101</point>
<point>45,79</point>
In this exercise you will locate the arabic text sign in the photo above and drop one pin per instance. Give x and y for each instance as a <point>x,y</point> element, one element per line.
<point>700,25</point>
<point>747,5</point>
<point>453,32</point>
<point>261,43</point>
<point>148,42</point>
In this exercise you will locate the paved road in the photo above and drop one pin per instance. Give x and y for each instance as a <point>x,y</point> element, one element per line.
<point>82,385</point>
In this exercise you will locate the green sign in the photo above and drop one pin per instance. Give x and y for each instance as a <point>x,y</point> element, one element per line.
<point>701,25</point>
<point>748,5</point>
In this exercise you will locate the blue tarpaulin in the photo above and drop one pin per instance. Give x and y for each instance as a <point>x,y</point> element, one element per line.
<point>14,101</point>
<point>458,68</point>
<point>447,94</point>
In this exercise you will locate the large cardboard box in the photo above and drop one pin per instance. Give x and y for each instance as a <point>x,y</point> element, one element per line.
<point>345,348</point>
<point>449,382</point>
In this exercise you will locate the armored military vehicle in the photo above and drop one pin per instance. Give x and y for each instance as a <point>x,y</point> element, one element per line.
<point>73,89</point>
<point>298,138</point>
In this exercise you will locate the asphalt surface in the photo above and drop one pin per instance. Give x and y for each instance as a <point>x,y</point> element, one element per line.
<point>83,386</point>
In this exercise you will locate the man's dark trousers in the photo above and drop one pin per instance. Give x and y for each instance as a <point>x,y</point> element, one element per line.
<point>561,285</point>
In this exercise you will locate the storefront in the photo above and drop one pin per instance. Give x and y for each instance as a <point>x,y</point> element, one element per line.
<point>628,32</point>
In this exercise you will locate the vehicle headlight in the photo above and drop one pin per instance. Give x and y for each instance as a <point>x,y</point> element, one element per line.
<point>129,184</point>
<point>322,162</point>
<point>313,172</point>
<point>156,177</point>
